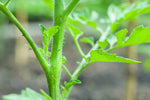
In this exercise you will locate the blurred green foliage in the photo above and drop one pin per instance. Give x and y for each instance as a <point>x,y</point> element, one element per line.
<point>37,9</point>
<point>100,6</point>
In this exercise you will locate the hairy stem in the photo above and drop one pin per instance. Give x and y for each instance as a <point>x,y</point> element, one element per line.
<point>56,55</point>
<point>70,7</point>
<point>26,35</point>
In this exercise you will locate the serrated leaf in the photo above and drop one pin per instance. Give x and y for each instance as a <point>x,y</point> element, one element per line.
<point>50,3</point>
<point>27,94</point>
<point>139,35</point>
<point>121,36</point>
<point>75,32</point>
<point>47,35</point>
<point>89,40</point>
<point>100,56</point>
<point>103,44</point>
<point>52,31</point>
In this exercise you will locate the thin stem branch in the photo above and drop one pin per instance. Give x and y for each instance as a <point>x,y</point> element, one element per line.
<point>39,56</point>
<point>79,48</point>
<point>70,7</point>
<point>85,63</point>
<point>7,2</point>
<point>67,71</point>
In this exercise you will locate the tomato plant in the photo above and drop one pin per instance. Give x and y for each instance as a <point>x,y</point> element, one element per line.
<point>111,38</point>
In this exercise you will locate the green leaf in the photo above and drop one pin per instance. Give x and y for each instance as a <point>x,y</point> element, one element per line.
<point>47,35</point>
<point>145,10</point>
<point>116,14</point>
<point>72,21</point>
<point>50,3</point>
<point>100,56</point>
<point>114,26</point>
<point>27,94</point>
<point>103,44</point>
<point>139,35</point>
<point>121,36</point>
<point>43,29</point>
<point>92,24</point>
<point>75,32</point>
<point>64,59</point>
<point>136,9</point>
<point>89,40</point>
<point>67,86</point>
<point>52,31</point>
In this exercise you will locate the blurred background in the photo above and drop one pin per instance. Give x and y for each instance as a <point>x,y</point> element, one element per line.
<point>100,81</point>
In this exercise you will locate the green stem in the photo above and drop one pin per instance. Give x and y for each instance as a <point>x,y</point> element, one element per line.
<point>67,71</point>
<point>85,63</point>
<point>7,2</point>
<point>56,62</point>
<point>70,7</point>
<point>56,54</point>
<point>39,56</point>
<point>79,48</point>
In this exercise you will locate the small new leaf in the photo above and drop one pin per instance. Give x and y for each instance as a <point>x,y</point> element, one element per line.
<point>52,31</point>
<point>64,59</point>
<point>74,31</point>
<point>100,56</point>
<point>67,86</point>
<point>71,83</point>
<point>47,35</point>
<point>89,40</point>
<point>103,44</point>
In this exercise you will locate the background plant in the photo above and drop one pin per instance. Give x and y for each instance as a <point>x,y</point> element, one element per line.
<point>110,38</point>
